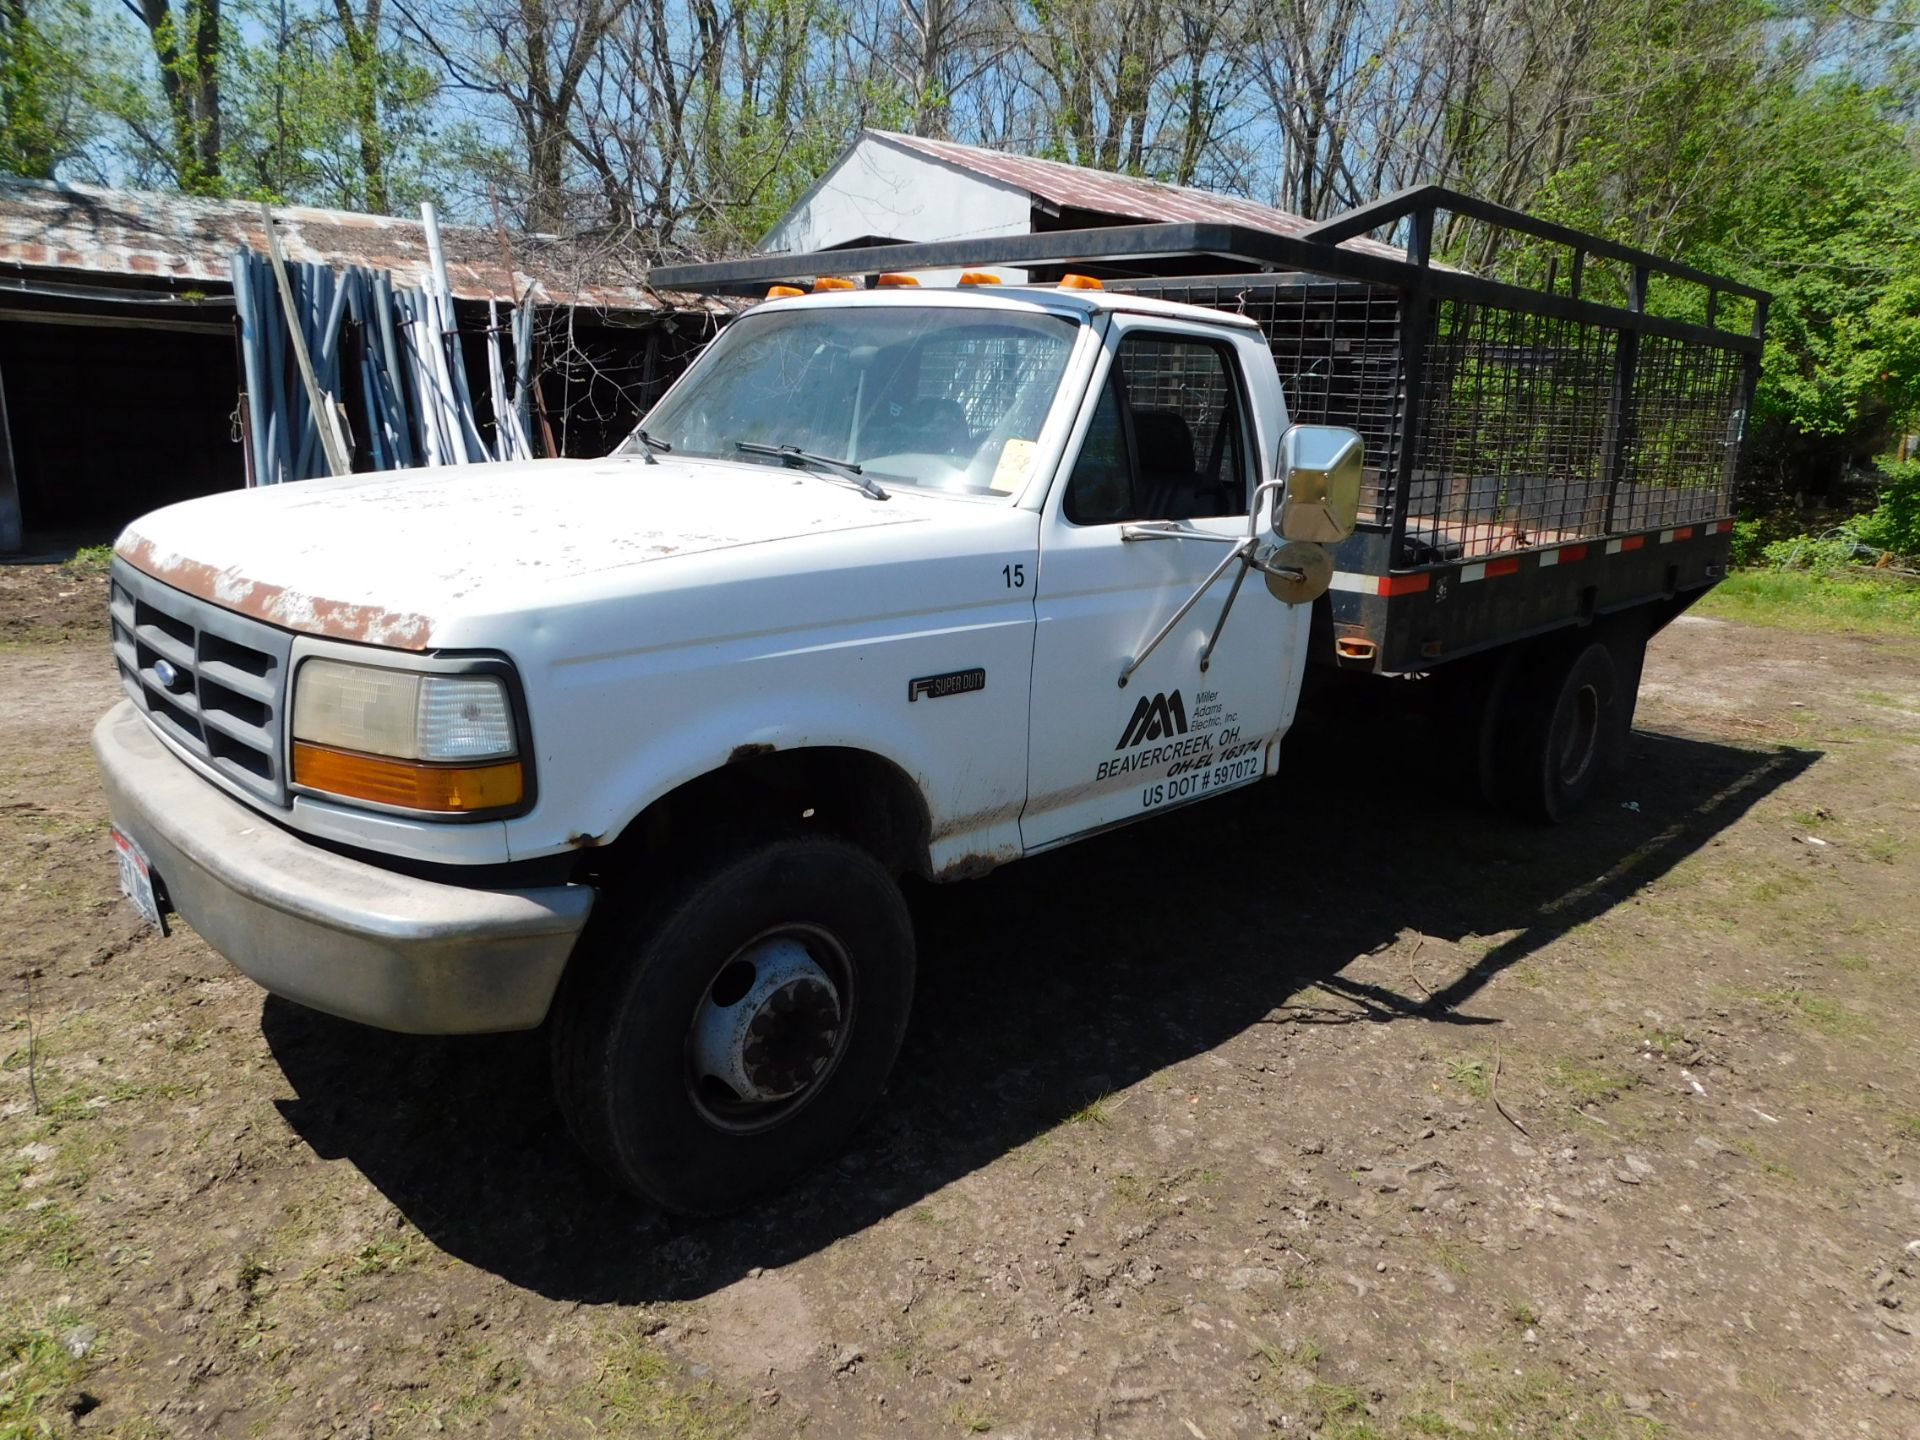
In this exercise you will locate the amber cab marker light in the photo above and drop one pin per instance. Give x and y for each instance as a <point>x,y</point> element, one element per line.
<point>781,292</point>
<point>833,282</point>
<point>1080,282</point>
<point>409,784</point>
<point>888,282</point>
<point>979,277</point>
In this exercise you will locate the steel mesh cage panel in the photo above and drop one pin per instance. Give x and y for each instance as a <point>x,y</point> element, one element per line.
<point>1523,425</point>
<point>1185,378</point>
<point>1512,445</point>
<point>1685,442</point>
<point>1336,345</point>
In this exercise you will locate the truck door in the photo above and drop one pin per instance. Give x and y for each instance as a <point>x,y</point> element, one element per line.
<point>1169,435</point>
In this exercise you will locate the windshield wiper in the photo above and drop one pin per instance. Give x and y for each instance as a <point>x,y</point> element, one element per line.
<point>648,445</point>
<point>794,455</point>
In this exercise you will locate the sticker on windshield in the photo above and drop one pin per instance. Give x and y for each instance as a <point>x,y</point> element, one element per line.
<point>1016,460</point>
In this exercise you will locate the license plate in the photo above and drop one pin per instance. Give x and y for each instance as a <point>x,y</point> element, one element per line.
<point>136,879</point>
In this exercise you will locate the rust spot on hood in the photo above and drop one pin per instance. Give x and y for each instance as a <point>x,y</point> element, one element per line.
<point>580,840</point>
<point>275,604</point>
<point>742,753</point>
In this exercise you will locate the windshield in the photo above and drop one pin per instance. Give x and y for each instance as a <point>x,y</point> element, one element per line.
<point>938,396</point>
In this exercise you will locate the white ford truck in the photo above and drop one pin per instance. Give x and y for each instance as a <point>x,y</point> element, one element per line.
<point>901,581</point>
<point>893,581</point>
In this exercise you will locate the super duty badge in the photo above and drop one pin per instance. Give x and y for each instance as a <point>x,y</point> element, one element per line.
<point>939,687</point>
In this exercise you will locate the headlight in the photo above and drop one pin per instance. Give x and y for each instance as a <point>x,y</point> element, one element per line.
<point>434,742</point>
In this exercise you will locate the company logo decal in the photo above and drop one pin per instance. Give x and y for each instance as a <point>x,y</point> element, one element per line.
<point>1155,719</point>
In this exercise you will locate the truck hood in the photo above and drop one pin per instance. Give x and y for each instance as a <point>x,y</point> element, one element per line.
<point>388,559</point>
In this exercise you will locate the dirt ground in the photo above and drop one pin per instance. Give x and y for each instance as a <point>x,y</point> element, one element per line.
<point>1327,1108</point>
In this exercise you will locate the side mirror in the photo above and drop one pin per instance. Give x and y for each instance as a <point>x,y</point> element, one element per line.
<point>1321,465</point>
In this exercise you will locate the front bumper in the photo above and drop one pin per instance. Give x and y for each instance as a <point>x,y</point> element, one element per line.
<point>334,933</point>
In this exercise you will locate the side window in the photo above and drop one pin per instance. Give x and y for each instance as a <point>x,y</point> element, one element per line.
<point>1168,440</point>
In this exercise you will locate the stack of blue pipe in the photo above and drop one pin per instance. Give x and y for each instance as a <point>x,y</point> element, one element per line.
<point>417,413</point>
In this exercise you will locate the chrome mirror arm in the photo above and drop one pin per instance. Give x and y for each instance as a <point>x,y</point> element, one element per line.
<point>1242,547</point>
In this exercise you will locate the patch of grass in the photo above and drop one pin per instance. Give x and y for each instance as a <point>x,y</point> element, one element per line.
<point>1472,1074</point>
<point>1817,1011</point>
<point>388,1255</point>
<point>1128,1188</point>
<point>1521,1314</point>
<point>1496,1400</point>
<point>645,1394</point>
<point>1907,1124</point>
<point>1308,1353</point>
<point>1450,1257</point>
<point>1094,1112</point>
<point>91,559</point>
<point>1588,1084</point>
<point>973,1422</point>
<point>1754,1153</point>
<point>37,1375</point>
<point>1800,601</point>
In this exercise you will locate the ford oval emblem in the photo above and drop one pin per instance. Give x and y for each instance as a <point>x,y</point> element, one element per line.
<point>164,672</point>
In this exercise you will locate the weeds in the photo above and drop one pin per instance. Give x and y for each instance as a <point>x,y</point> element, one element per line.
<point>973,1422</point>
<point>1472,1074</point>
<point>641,1390</point>
<point>38,1374</point>
<point>1094,1112</point>
<point>1588,1085</point>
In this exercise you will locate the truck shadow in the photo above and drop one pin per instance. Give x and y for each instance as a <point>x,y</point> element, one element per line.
<point>1042,987</point>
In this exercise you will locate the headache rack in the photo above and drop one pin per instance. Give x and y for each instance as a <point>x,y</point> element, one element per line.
<point>1538,454</point>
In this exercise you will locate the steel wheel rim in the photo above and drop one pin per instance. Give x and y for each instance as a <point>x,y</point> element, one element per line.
<point>711,1097</point>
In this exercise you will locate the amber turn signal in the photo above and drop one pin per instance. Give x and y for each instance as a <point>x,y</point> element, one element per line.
<point>1080,282</point>
<point>781,292</point>
<point>833,282</point>
<point>889,281</point>
<point>408,784</point>
<point>979,277</point>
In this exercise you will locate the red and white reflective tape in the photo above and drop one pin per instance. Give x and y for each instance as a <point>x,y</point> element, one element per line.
<point>1416,581</point>
<point>1381,584</point>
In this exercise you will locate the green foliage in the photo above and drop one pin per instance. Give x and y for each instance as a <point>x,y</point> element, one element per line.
<point>1747,541</point>
<point>318,118</point>
<point>48,95</point>
<point>1814,552</point>
<point>1838,600</point>
<point>1895,522</point>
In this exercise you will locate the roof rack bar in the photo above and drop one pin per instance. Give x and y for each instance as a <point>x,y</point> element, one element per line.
<point>1136,247</point>
<point>1119,245</point>
<point>1390,209</point>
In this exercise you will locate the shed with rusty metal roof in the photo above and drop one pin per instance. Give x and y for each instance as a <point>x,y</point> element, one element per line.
<point>118,371</point>
<point>887,186</point>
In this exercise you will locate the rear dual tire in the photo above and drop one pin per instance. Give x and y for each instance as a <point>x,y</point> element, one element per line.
<point>1562,732</point>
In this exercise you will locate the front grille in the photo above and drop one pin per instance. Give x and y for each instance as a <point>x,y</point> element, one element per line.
<point>229,673</point>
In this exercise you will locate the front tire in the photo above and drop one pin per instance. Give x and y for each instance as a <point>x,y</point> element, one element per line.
<point>711,1047</point>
